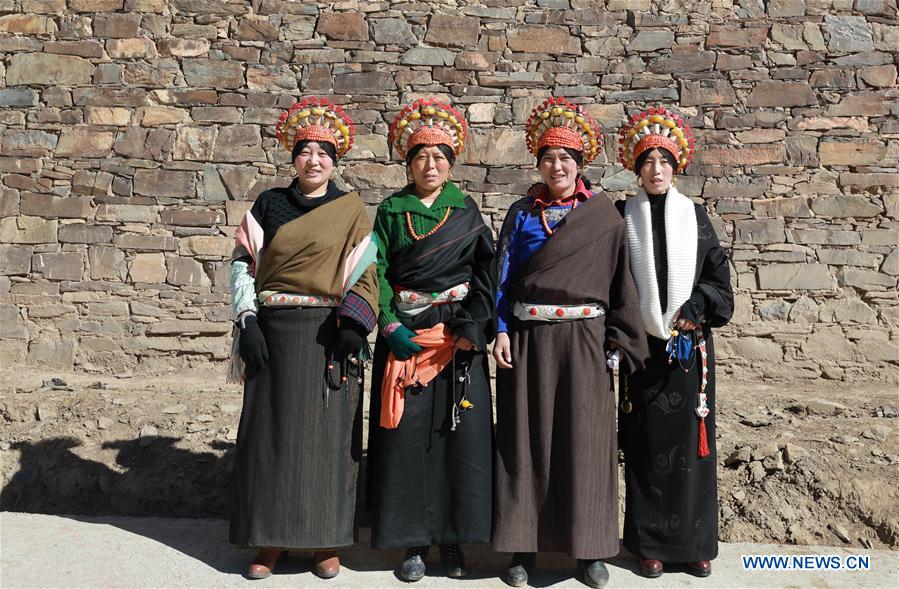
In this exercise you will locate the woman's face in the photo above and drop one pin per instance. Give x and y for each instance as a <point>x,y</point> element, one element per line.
<point>314,167</point>
<point>559,171</point>
<point>430,169</point>
<point>656,173</point>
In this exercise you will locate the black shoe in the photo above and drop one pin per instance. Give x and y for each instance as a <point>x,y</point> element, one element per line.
<point>413,567</point>
<point>593,573</point>
<point>517,574</point>
<point>453,560</point>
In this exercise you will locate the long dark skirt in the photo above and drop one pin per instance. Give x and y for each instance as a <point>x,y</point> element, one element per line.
<point>557,468</point>
<point>430,485</point>
<point>671,504</point>
<point>298,452</point>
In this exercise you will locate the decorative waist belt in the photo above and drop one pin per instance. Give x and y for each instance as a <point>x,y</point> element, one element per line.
<point>541,312</point>
<point>413,302</point>
<point>290,299</point>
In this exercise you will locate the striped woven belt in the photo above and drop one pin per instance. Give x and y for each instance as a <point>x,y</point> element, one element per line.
<point>291,299</point>
<point>413,302</point>
<point>541,312</point>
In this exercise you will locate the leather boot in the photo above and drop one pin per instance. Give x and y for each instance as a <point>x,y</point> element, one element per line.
<point>454,560</point>
<point>593,572</point>
<point>700,568</point>
<point>327,564</point>
<point>651,568</point>
<point>413,567</point>
<point>264,563</point>
<point>522,563</point>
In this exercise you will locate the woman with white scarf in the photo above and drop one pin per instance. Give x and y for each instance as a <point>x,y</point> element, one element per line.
<point>667,410</point>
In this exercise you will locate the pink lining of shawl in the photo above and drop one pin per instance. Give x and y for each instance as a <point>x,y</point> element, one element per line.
<point>250,235</point>
<point>353,259</point>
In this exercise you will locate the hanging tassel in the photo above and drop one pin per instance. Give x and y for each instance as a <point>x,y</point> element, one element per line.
<point>702,408</point>
<point>236,367</point>
<point>703,440</point>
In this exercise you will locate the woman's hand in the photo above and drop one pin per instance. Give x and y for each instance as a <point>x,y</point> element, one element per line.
<point>350,338</point>
<point>502,350</point>
<point>251,345</point>
<point>401,344</point>
<point>684,323</point>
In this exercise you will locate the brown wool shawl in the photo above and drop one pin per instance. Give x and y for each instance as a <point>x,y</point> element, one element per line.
<point>308,255</point>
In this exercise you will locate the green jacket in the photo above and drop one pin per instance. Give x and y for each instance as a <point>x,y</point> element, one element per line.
<point>393,235</point>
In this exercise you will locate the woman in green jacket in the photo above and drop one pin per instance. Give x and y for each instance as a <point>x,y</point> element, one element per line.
<point>431,440</point>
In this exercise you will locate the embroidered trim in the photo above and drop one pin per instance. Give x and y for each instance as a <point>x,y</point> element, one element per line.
<point>411,300</point>
<point>279,299</point>
<point>544,312</point>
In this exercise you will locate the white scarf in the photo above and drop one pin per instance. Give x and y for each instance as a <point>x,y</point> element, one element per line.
<point>681,239</point>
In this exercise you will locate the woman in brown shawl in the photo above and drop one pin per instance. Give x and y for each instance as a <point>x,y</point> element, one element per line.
<point>304,292</point>
<point>566,299</point>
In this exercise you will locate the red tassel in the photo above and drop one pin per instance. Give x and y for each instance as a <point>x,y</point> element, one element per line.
<point>703,440</point>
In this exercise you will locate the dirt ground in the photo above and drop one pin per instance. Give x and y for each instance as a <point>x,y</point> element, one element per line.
<point>799,462</point>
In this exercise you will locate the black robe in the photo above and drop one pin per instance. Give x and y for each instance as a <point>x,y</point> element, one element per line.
<point>428,484</point>
<point>299,441</point>
<point>671,506</point>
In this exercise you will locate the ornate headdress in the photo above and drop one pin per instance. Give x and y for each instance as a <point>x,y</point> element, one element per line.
<point>316,119</point>
<point>654,128</point>
<point>559,123</point>
<point>428,122</point>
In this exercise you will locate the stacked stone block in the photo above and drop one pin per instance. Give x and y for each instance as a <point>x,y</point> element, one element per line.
<point>135,134</point>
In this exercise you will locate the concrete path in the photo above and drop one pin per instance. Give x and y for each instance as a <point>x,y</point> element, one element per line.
<point>76,551</point>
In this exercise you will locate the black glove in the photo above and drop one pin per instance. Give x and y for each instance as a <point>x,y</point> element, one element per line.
<point>350,338</point>
<point>251,345</point>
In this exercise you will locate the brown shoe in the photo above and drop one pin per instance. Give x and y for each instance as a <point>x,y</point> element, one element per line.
<point>700,568</point>
<point>651,568</point>
<point>327,564</point>
<point>264,563</point>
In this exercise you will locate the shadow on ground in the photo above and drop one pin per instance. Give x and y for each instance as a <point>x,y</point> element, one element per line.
<point>161,480</point>
<point>146,482</point>
<point>157,479</point>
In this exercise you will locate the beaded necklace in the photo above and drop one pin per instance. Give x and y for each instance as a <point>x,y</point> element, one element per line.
<point>543,221</point>
<point>418,237</point>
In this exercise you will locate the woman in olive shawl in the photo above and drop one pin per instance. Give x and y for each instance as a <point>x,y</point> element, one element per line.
<point>304,291</point>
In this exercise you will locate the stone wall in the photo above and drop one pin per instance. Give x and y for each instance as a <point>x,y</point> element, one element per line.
<point>136,133</point>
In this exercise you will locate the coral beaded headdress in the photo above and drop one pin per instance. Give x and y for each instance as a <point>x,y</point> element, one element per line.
<point>653,128</point>
<point>316,119</point>
<point>428,122</point>
<point>559,123</point>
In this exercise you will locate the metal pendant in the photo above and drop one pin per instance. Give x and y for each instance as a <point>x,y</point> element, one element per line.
<point>626,406</point>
